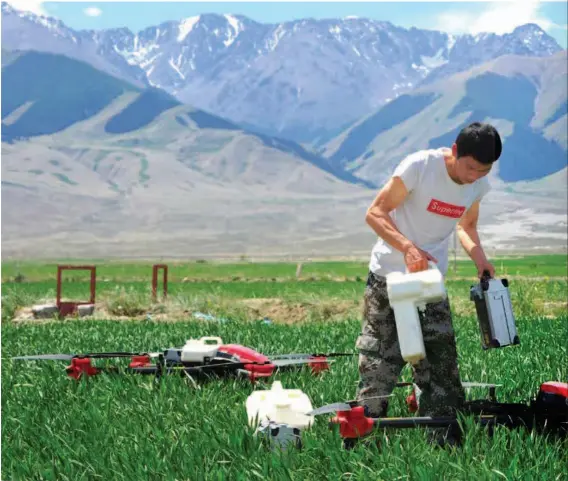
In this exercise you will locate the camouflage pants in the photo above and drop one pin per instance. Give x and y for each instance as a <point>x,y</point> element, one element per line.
<point>380,360</point>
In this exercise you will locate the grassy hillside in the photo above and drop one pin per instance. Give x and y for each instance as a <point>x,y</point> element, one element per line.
<point>57,91</point>
<point>524,97</point>
<point>512,99</point>
<point>147,106</point>
<point>141,166</point>
<point>49,93</point>
<point>392,114</point>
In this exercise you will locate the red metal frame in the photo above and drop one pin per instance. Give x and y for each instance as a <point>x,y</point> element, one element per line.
<point>70,307</point>
<point>155,269</point>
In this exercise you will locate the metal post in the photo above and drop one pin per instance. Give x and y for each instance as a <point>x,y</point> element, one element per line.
<point>93,284</point>
<point>58,295</point>
<point>155,268</point>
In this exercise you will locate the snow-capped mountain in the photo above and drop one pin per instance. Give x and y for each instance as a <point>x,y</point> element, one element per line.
<point>468,51</point>
<point>27,31</point>
<point>305,80</point>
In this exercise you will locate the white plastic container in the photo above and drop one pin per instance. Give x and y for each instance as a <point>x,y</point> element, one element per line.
<point>407,293</point>
<point>197,350</point>
<point>280,406</point>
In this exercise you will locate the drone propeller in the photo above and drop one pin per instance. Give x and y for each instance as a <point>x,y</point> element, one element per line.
<point>330,408</point>
<point>342,406</point>
<point>292,362</point>
<point>309,356</point>
<point>46,357</point>
<point>479,384</point>
<point>93,355</point>
<point>465,384</point>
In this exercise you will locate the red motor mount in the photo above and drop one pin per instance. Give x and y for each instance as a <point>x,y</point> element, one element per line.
<point>553,398</point>
<point>555,388</point>
<point>140,361</point>
<point>260,365</point>
<point>353,424</point>
<point>318,367</point>
<point>412,402</point>
<point>80,366</point>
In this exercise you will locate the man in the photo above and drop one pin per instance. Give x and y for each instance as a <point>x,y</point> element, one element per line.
<point>414,215</point>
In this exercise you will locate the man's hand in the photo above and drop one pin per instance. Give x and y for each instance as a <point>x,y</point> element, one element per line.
<point>416,259</point>
<point>485,265</point>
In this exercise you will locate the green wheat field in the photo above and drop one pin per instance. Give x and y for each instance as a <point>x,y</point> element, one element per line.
<point>123,427</point>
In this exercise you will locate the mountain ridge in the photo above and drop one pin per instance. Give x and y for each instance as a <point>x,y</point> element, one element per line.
<point>522,96</point>
<point>185,181</point>
<point>43,84</point>
<point>301,80</point>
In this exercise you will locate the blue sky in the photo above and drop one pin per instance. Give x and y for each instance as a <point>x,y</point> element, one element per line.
<point>455,17</point>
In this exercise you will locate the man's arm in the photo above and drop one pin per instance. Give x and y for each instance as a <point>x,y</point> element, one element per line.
<point>379,219</point>
<point>378,214</point>
<point>469,239</point>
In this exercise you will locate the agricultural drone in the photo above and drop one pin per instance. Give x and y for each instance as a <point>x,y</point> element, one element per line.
<point>281,414</point>
<point>204,356</point>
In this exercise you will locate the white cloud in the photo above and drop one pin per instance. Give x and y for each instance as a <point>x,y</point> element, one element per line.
<point>93,12</point>
<point>495,17</point>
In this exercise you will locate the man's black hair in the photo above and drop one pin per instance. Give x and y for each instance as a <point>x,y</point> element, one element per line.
<point>480,141</point>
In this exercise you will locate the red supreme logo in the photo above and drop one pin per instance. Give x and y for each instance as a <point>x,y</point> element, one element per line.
<point>445,209</point>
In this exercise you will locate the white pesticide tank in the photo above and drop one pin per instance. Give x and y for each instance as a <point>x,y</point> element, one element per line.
<point>280,406</point>
<point>407,293</point>
<point>196,350</point>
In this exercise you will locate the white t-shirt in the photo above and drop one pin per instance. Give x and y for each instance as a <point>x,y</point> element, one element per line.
<point>428,216</point>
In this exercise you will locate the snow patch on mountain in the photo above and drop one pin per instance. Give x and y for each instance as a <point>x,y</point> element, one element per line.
<point>273,42</point>
<point>176,68</point>
<point>237,28</point>
<point>437,60</point>
<point>186,26</point>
